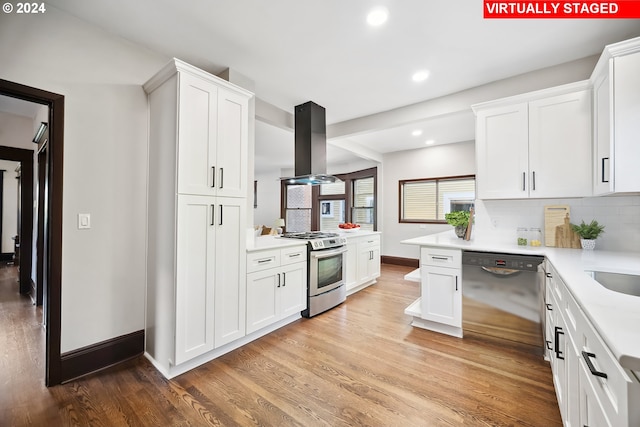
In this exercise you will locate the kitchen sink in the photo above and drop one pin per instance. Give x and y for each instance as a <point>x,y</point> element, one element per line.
<point>624,283</point>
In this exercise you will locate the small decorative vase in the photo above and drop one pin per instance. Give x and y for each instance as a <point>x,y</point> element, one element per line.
<point>461,230</point>
<point>588,244</point>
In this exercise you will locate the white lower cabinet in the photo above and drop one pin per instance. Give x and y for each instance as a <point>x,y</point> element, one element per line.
<point>592,388</point>
<point>276,287</point>
<point>441,290</point>
<point>368,259</point>
<point>363,261</point>
<point>210,292</point>
<point>439,307</point>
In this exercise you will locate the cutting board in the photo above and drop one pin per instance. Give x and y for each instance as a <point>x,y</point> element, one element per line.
<point>554,216</point>
<point>565,236</point>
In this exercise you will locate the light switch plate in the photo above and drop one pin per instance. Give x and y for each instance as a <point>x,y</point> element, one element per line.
<point>84,221</point>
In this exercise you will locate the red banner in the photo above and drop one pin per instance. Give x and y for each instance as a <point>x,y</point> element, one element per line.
<point>622,9</point>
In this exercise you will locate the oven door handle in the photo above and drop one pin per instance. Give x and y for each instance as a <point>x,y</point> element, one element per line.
<point>327,253</point>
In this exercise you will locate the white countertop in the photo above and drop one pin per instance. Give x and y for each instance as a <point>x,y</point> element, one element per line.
<point>261,243</point>
<point>616,316</point>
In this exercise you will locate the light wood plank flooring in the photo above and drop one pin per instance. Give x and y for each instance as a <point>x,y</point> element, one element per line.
<point>358,364</point>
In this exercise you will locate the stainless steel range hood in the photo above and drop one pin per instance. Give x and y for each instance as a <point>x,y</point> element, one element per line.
<point>310,146</point>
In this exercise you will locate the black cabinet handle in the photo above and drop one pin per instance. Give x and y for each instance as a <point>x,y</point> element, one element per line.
<point>587,358</point>
<point>213,213</point>
<point>278,279</point>
<point>549,345</point>
<point>603,174</point>
<point>213,176</point>
<point>220,215</point>
<point>558,332</point>
<point>221,177</point>
<point>524,177</point>
<point>548,275</point>
<point>533,181</point>
<point>284,279</point>
<point>456,283</point>
<point>549,307</point>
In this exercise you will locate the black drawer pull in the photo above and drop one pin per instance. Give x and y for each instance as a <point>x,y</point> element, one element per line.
<point>558,332</point>
<point>549,307</point>
<point>549,275</point>
<point>549,347</point>
<point>587,358</point>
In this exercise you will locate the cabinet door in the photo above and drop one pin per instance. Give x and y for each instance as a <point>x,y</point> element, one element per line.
<point>560,146</point>
<point>194,333</point>
<point>441,295</point>
<point>230,277</point>
<point>374,263</point>
<point>602,161</point>
<point>197,124</point>
<point>592,413</point>
<point>231,180</point>
<point>262,299</point>
<point>502,152</point>
<point>626,110</point>
<point>353,257</point>
<point>293,289</point>
<point>559,363</point>
<point>364,259</point>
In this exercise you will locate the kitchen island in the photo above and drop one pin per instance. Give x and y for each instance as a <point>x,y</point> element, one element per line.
<point>616,316</point>
<point>592,340</point>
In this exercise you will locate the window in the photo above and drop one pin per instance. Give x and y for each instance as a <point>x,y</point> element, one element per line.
<point>298,208</point>
<point>362,210</point>
<point>428,200</point>
<point>323,207</point>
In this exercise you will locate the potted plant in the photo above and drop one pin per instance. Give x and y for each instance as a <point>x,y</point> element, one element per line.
<point>588,233</point>
<point>460,220</point>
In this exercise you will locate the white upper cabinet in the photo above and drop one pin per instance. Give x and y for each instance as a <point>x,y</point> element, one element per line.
<point>211,133</point>
<point>560,146</point>
<point>535,145</point>
<point>502,138</point>
<point>616,94</point>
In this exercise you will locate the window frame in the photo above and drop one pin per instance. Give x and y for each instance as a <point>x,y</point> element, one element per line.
<point>437,181</point>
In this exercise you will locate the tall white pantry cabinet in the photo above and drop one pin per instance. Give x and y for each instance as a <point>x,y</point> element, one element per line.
<point>196,208</point>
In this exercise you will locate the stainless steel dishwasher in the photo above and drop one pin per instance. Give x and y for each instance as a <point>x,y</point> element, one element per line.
<point>510,282</point>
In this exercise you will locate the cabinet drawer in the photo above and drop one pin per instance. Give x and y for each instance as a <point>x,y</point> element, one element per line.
<point>373,240</point>
<point>258,261</point>
<point>612,392</point>
<point>293,255</point>
<point>441,257</point>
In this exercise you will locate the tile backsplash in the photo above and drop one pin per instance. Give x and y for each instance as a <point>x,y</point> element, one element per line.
<point>620,214</point>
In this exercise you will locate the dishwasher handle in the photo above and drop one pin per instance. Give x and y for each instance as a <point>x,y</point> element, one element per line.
<point>499,271</point>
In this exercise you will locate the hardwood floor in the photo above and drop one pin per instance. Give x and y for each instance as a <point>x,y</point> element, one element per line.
<point>358,364</point>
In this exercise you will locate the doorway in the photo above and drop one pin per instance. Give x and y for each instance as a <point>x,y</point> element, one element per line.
<point>52,267</point>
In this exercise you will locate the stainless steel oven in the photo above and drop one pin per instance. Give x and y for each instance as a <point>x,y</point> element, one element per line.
<point>326,271</point>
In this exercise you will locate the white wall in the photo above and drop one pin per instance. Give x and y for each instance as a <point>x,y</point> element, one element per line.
<point>620,214</point>
<point>268,209</point>
<point>103,269</point>
<point>15,131</point>
<point>431,162</point>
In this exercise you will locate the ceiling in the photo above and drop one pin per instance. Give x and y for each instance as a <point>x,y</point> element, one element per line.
<point>300,50</point>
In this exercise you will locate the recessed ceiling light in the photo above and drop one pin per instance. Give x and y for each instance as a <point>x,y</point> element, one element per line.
<point>377,16</point>
<point>429,142</point>
<point>416,132</point>
<point>420,76</point>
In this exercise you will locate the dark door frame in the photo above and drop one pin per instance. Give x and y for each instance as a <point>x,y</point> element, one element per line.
<point>25,157</point>
<point>53,298</point>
